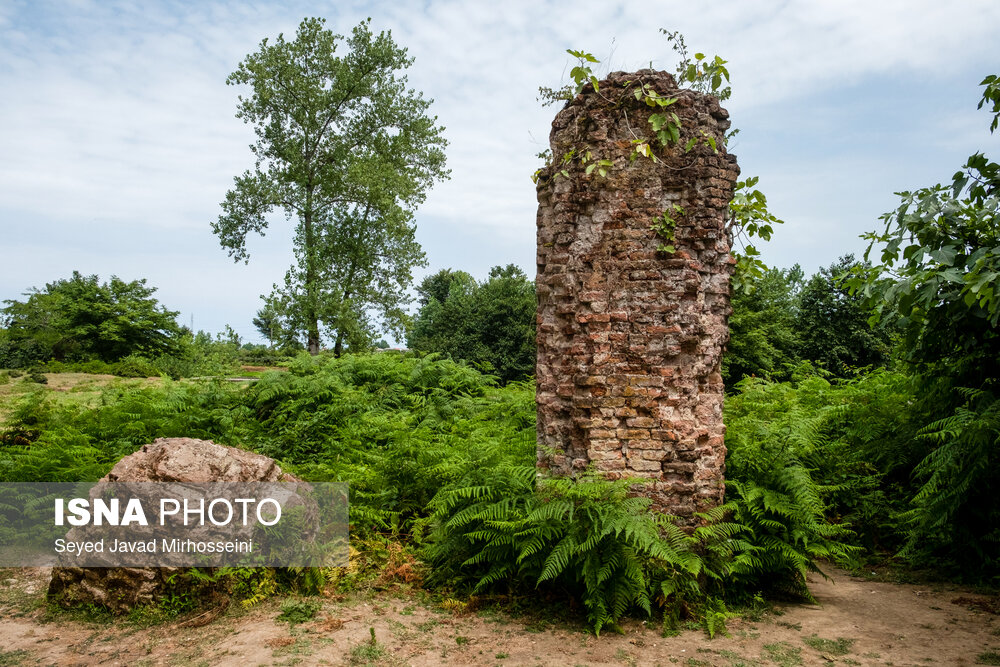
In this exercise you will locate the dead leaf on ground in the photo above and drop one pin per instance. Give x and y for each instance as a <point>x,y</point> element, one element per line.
<point>991,605</point>
<point>279,642</point>
<point>331,624</point>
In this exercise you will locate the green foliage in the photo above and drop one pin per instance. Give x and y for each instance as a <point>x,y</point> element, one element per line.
<point>839,646</point>
<point>383,423</point>
<point>23,352</point>
<point>905,481</point>
<point>749,218</point>
<point>437,455</point>
<point>937,280</point>
<point>490,325</point>
<point>70,442</point>
<point>762,328</point>
<point>835,450</point>
<point>775,444</point>
<point>196,355</point>
<point>990,657</point>
<point>369,653</point>
<point>991,95</point>
<point>493,530</point>
<point>79,319</point>
<point>779,320</point>
<point>704,74</point>
<point>783,654</point>
<point>666,126</point>
<point>832,323</point>
<point>582,74</point>
<point>443,284</point>
<point>937,284</point>
<point>498,527</point>
<point>665,227</point>
<point>299,611</point>
<point>274,324</point>
<point>349,151</point>
<point>135,366</point>
<point>955,514</point>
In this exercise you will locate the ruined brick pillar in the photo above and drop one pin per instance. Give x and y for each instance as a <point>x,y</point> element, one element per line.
<point>630,338</point>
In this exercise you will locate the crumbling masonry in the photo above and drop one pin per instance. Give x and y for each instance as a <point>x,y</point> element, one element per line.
<point>630,338</point>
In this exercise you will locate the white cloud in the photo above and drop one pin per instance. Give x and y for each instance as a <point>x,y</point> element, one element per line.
<point>117,113</point>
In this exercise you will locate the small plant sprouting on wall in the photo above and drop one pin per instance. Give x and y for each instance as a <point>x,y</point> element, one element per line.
<point>665,227</point>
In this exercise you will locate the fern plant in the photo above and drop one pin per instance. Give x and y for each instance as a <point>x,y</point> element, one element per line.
<point>589,536</point>
<point>954,513</point>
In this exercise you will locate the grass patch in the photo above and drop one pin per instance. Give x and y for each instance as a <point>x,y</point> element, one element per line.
<point>991,657</point>
<point>369,652</point>
<point>790,626</point>
<point>14,657</point>
<point>295,611</point>
<point>838,646</point>
<point>783,654</point>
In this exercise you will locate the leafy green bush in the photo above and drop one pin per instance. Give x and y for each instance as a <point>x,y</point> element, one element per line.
<point>22,353</point>
<point>93,366</point>
<point>587,537</point>
<point>261,355</point>
<point>384,423</point>
<point>489,324</point>
<point>936,284</point>
<point>80,318</point>
<point>955,515</point>
<point>135,366</point>
<point>75,442</point>
<point>496,525</point>
<point>825,450</point>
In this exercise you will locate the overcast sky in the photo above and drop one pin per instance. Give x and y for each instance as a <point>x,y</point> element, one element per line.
<point>118,137</point>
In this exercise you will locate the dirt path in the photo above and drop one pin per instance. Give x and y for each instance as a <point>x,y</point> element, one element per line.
<point>855,622</point>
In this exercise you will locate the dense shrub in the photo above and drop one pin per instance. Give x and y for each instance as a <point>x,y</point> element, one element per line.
<point>79,318</point>
<point>489,324</point>
<point>807,449</point>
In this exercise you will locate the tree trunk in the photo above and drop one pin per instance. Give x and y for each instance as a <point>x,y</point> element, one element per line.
<point>312,321</point>
<point>338,347</point>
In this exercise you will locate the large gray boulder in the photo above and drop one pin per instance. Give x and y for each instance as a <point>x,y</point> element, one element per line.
<point>164,460</point>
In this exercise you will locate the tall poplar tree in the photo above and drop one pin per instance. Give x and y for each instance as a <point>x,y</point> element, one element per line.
<point>348,151</point>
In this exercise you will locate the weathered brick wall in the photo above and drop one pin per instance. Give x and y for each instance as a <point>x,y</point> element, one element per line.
<point>630,339</point>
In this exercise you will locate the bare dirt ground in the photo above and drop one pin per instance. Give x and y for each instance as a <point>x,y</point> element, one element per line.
<point>855,622</point>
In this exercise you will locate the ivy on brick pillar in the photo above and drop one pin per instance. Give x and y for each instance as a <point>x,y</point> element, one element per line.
<point>630,337</point>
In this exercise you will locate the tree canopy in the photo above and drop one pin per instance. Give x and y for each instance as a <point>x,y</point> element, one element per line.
<point>832,323</point>
<point>491,324</point>
<point>762,340</point>
<point>348,151</point>
<point>81,318</point>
